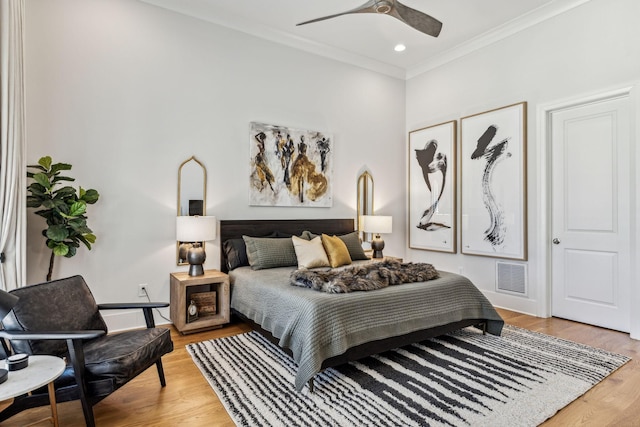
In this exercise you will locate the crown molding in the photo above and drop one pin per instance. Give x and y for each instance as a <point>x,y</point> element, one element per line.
<point>508,29</point>
<point>281,37</point>
<point>264,32</point>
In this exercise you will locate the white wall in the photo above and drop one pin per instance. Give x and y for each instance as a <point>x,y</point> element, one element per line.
<point>125,92</point>
<point>591,48</point>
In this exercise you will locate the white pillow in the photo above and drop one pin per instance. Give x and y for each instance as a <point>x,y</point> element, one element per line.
<point>310,253</point>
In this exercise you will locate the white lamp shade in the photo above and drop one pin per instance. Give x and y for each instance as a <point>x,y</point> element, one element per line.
<point>378,224</point>
<point>195,228</point>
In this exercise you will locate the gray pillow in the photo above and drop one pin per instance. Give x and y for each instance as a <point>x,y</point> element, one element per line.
<point>351,240</point>
<point>235,251</point>
<point>353,245</point>
<point>269,252</point>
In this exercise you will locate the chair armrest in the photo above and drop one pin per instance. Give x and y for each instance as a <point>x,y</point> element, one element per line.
<point>127,305</point>
<point>51,335</point>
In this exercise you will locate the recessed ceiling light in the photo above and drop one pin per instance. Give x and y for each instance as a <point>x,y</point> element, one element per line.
<point>399,47</point>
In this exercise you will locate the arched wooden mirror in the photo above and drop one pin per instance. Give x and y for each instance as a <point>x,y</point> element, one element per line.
<point>192,196</point>
<point>365,202</point>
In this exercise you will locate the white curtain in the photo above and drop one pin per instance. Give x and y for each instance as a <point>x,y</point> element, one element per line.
<point>12,146</point>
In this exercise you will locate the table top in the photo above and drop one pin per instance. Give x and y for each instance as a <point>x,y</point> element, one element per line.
<point>41,371</point>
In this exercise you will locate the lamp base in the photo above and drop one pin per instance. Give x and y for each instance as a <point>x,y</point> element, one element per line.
<point>196,270</point>
<point>377,245</point>
<point>196,257</point>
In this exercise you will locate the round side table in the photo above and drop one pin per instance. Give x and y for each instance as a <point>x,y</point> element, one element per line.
<point>42,370</point>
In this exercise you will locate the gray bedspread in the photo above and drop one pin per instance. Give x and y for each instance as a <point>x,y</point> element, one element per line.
<point>317,325</point>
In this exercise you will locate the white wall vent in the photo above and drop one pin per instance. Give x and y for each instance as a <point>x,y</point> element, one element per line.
<point>511,278</point>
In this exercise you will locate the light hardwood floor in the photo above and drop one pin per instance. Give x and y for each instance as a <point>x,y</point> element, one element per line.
<point>188,401</point>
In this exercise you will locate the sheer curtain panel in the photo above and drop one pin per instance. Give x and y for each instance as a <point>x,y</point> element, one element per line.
<point>12,145</point>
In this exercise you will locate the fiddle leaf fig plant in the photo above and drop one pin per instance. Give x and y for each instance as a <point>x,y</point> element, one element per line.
<point>64,208</point>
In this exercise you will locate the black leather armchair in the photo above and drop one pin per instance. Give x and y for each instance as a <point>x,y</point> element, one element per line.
<point>61,318</point>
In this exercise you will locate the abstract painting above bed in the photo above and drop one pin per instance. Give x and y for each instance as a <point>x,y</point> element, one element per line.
<point>290,167</point>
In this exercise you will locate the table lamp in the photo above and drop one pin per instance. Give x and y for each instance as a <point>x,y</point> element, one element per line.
<point>7,302</point>
<point>377,224</point>
<point>195,230</point>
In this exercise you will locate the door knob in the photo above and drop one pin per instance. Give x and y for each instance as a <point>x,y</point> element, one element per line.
<point>556,241</point>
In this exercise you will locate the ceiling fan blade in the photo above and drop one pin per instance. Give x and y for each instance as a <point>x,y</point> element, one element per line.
<point>416,19</point>
<point>368,7</point>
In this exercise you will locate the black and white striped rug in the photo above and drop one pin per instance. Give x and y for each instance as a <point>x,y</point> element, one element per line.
<point>461,379</point>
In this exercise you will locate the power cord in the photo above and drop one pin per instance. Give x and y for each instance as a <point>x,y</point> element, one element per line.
<point>146,294</point>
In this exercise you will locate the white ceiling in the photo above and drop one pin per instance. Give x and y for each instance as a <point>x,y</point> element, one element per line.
<point>368,40</point>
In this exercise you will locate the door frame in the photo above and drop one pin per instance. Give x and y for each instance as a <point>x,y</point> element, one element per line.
<point>543,208</point>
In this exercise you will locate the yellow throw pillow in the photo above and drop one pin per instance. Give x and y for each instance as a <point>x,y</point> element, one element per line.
<point>310,253</point>
<point>336,251</point>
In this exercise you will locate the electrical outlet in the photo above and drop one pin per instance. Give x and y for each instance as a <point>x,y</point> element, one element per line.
<point>143,290</point>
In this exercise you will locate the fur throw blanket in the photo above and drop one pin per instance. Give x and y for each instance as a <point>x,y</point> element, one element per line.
<point>366,277</point>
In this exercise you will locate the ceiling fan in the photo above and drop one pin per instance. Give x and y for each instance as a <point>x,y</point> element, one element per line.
<point>414,18</point>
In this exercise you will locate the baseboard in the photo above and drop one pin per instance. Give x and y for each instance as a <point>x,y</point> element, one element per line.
<point>123,320</point>
<point>514,303</point>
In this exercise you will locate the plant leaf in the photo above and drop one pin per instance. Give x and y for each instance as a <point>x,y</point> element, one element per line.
<point>49,203</point>
<point>65,192</point>
<point>34,202</point>
<point>57,233</point>
<point>45,162</point>
<point>61,178</point>
<point>77,223</point>
<point>72,252</point>
<point>37,189</point>
<point>74,243</point>
<point>80,231</point>
<point>90,196</point>
<point>43,180</point>
<point>87,240</point>
<point>61,249</point>
<point>77,208</point>
<point>60,167</point>
<point>35,167</point>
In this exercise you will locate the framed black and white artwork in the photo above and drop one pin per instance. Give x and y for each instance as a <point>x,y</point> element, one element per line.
<point>289,167</point>
<point>494,183</point>
<point>432,188</point>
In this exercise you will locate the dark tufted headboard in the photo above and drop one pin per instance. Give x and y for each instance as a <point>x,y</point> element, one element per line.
<point>235,229</point>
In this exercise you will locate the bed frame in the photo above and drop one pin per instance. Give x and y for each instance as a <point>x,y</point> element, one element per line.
<point>234,229</point>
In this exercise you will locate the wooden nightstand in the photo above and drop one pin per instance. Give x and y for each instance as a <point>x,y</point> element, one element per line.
<point>214,309</point>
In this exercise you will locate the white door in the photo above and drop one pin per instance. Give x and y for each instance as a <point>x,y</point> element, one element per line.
<point>591,213</point>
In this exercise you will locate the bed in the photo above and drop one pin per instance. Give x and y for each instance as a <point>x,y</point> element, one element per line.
<point>320,330</point>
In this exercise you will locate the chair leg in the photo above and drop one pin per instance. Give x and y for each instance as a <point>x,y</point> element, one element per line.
<point>161,373</point>
<point>76,354</point>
